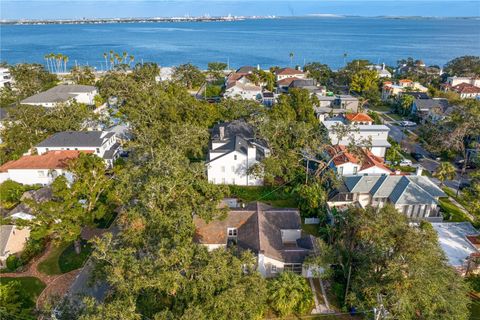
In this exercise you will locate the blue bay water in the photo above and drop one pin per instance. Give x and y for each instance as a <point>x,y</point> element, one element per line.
<point>266,42</point>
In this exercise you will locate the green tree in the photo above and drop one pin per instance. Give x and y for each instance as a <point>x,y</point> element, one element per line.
<point>74,205</point>
<point>378,253</point>
<point>466,66</point>
<point>318,71</point>
<point>404,104</point>
<point>365,82</point>
<point>14,304</point>
<point>445,171</point>
<point>189,75</point>
<point>394,153</point>
<point>216,70</point>
<point>32,124</point>
<point>290,293</point>
<point>31,79</point>
<point>83,75</point>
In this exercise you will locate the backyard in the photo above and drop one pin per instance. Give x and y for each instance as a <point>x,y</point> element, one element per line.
<point>63,259</point>
<point>276,197</point>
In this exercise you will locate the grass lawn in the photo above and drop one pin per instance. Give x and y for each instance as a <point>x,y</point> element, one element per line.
<point>451,212</point>
<point>311,229</point>
<point>63,259</point>
<point>30,288</point>
<point>268,195</point>
<point>453,194</point>
<point>396,117</point>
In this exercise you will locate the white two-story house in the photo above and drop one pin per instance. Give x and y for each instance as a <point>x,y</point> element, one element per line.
<point>233,151</point>
<point>344,130</point>
<point>101,143</point>
<point>63,94</point>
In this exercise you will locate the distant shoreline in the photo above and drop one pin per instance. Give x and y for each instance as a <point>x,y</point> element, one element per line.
<point>206,19</point>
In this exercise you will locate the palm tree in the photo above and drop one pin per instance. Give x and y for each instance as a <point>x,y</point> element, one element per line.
<point>65,60</point>
<point>124,57</point>
<point>290,293</point>
<point>445,171</point>
<point>46,57</point>
<point>105,57</point>
<point>130,61</point>
<point>291,58</point>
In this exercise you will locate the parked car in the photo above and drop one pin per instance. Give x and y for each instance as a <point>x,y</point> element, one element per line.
<point>406,162</point>
<point>417,156</point>
<point>407,123</point>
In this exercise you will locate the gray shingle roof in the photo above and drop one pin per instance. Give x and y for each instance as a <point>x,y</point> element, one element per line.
<point>427,104</point>
<point>60,93</point>
<point>5,231</point>
<point>398,189</point>
<point>76,139</point>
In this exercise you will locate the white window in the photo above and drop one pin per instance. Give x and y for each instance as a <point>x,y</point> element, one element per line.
<point>355,170</point>
<point>46,149</point>
<point>232,232</point>
<point>340,170</point>
<point>98,150</point>
<point>274,268</point>
<point>235,157</point>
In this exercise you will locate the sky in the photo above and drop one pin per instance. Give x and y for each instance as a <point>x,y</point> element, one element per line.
<point>77,9</point>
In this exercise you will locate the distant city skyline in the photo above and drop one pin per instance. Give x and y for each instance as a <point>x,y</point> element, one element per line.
<point>64,9</point>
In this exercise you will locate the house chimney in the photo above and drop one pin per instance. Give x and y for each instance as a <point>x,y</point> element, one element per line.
<point>419,171</point>
<point>222,132</point>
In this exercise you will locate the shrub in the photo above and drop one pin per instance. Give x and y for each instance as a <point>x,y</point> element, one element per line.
<point>10,193</point>
<point>32,249</point>
<point>290,293</point>
<point>13,262</point>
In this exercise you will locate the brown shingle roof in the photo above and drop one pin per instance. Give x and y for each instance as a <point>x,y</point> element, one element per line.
<point>466,88</point>
<point>259,230</point>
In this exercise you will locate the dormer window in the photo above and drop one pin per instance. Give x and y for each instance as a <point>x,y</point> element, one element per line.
<point>232,232</point>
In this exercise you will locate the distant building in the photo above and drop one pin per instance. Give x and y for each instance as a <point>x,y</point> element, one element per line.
<point>381,70</point>
<point>38,169</point>
<point>12,241</point>
<point>63,94</point>
<point>431,110</point>
<point>238,90</point>
<point>5,77</point>
<point>335,104</point>
<point>101,143</point>
<point>390,89</point>
<point>466,91</point>
<point>286,73</point>
<point>233,151</point>
<point>460,242</point>
<point>455,81</point>
<point>273,235</point>
<point>416,196</point>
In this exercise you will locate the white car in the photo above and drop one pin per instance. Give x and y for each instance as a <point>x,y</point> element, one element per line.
<point>407,123</point>
<point>406,162</point>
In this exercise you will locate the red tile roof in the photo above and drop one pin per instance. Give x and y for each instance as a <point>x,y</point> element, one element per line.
<point>358,117</point>
<point>367,160</point>
<point>287,81</point>
<point>466,88</point>
<point>49,160</point>
<point>288,71</point>
<point>405,81</point>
